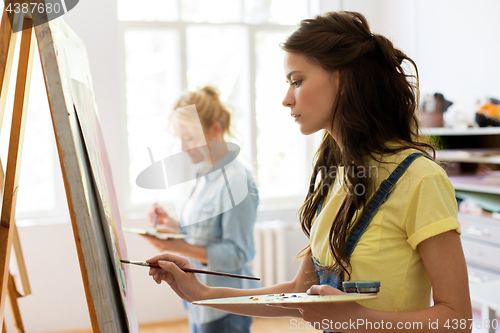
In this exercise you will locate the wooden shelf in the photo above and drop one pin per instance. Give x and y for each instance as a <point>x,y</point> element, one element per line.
<point>485,218</point>
<point>446,131</point>
<point>488,156</point>
<point>474,184</point>
<point>480,233</point>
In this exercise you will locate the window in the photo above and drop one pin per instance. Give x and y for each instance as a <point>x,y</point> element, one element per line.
<point>152,84</point>
<point>41,192</point>
<point>174,45</point>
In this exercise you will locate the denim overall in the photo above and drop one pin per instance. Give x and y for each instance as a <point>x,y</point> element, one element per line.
<point>377,200</point>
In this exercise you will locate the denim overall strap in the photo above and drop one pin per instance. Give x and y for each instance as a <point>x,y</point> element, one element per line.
<point>377,200</point>
<point>374,204</point>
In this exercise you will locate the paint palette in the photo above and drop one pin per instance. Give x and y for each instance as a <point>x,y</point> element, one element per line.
<point>286,298</point>
<point>157,234</point>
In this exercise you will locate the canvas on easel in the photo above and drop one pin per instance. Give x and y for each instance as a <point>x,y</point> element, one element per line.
<point>86,173</point>
<point>87,176</point>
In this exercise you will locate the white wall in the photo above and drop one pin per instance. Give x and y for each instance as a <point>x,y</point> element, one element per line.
<point>459,49</point>
<point>454,43</point>
<point>455,47</point>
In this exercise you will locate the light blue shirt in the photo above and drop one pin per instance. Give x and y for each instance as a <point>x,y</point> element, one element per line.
<point>225,210</point>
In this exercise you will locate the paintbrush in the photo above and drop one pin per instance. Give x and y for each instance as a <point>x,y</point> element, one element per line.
<point>190,270</point>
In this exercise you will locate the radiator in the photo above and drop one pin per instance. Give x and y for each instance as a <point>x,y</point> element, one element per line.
<point>276,245</point>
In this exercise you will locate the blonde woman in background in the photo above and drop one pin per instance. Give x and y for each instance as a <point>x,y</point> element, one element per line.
<point>220,234</point>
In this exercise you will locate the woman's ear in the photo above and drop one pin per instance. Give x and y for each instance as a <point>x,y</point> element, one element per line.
<point>215,132</point>
<point>217,128</point>
<point>335,77</point>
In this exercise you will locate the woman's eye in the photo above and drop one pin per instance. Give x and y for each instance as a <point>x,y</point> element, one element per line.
<point>297,83</point>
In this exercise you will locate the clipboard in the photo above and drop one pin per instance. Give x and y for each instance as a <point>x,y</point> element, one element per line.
<point>153,232</point>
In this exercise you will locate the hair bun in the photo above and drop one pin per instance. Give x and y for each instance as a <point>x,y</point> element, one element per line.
<point>209,107</point>
<point>209,90</point>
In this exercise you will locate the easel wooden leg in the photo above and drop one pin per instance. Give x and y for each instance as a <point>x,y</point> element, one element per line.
<point>24,288</point>
<point>7,49</point>
<point>14,156</point>
<point>13,296</point>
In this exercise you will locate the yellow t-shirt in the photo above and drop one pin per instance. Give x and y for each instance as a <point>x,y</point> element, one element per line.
<point>422,205</point>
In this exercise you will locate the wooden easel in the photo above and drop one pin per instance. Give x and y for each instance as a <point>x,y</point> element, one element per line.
<point>8,233</point>
<point>13,290</point>
<point>68,85</point>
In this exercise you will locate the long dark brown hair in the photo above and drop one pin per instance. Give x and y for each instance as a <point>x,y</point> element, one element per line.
<point>375,104</point>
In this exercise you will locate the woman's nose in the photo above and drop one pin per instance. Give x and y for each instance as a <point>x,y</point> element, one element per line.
<point>288,100</point>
